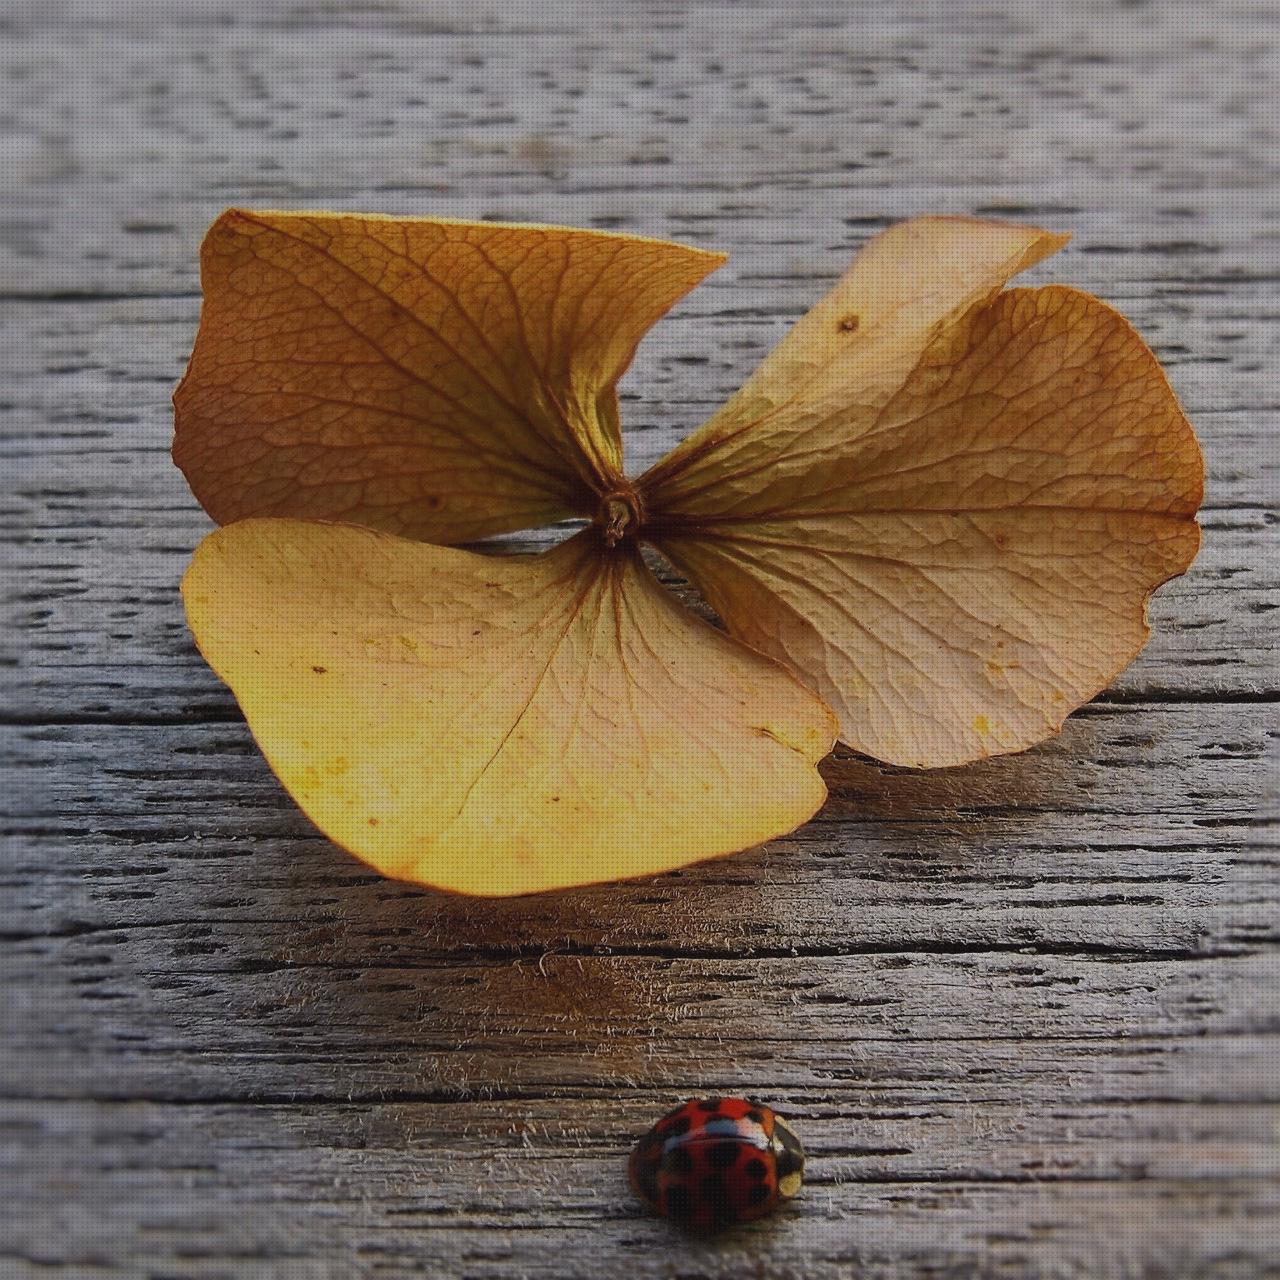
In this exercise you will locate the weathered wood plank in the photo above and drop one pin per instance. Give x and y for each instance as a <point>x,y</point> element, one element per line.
<point>360,1023</point>
<point>542,1193</point>
<point>963,892</point>
<point>1026,1013</point>
<point>95,488</point>
<point>82,647</point>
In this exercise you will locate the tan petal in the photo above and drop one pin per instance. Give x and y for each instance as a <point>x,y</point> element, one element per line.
<point>501,725</point>
<point>827,379</point>
<point>960,566</point>
<point>443,380</point>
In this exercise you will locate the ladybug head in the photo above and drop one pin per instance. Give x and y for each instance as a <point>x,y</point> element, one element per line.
<point>789,1155</point>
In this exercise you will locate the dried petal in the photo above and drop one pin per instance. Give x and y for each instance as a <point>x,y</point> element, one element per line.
<point>442,380</point>
<point>957,562</point>
<point>827,379</point>
<point>501,725</point>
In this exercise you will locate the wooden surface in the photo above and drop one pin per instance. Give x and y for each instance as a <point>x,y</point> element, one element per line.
<point>1026,1014</point>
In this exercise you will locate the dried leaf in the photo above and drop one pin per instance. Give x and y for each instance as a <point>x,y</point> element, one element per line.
<point>498,725</point>
<point>956,566</point>
<point>442,380</point>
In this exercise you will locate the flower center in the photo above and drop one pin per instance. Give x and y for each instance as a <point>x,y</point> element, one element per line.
<point>619,514</point>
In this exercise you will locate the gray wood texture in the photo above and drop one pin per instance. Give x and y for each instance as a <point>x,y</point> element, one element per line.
<point>1026,1014</point>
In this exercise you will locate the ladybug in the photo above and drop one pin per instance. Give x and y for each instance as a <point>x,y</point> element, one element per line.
<point>715,1162</point>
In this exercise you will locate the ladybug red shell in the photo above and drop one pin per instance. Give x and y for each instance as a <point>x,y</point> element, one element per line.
<point>717,1161</point>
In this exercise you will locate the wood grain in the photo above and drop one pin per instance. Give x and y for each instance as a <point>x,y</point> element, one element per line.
<point>1026,1014</point>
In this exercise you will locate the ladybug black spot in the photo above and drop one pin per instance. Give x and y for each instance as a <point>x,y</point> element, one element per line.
<point>716,1198</point>
<point>677,1126</point>
<point>756,1117</point>
<point>679,1202</point>
<point>756,1169</point>
<point>679,1160</point>
<point>723,1155</point>
<point>709,1104</point>
<point>758,1194</point>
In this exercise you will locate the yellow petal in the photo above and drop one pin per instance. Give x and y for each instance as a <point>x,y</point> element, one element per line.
<point>442,380</point>
<point>959,567</point>
<point>501,725</point>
